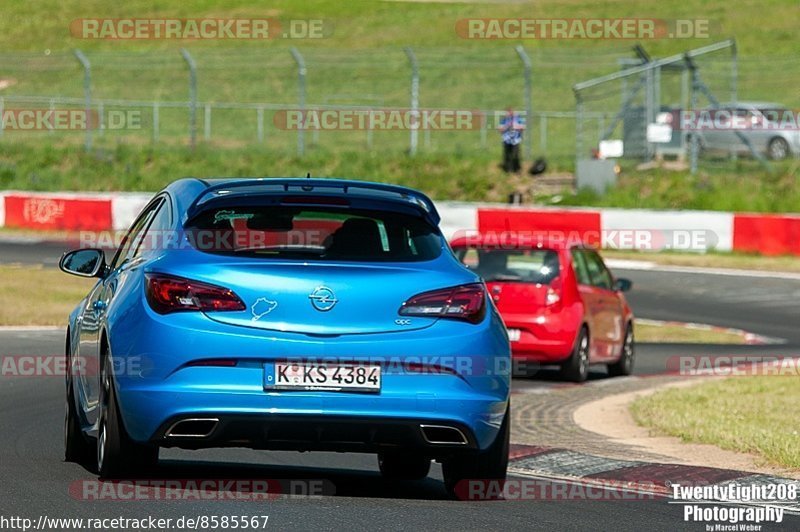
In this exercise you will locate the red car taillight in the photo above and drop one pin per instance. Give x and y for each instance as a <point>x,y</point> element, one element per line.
<point>552,297</point>
<point>464,302</point>
<point>166,294</point>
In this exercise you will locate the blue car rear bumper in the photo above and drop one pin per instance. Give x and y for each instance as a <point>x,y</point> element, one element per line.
<point>164,386</point>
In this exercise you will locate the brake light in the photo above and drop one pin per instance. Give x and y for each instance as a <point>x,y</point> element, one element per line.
<point>552,297</point>
<point>166,294</point>
<point>464,302</point>
<point>314,200</point>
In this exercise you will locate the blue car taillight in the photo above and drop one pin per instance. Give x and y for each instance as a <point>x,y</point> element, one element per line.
<point>465,302</point>
<point>167,293</point>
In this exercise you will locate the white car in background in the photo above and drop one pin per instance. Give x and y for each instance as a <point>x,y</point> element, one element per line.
<point>771,128</point>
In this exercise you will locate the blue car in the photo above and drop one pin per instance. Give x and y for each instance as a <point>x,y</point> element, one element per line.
<point>287,314</point>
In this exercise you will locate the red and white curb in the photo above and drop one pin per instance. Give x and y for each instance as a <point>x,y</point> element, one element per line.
<point>71,211</point>
<point>643,265</point>
<point>633,475</point>
<point>651,230</point>
<point>768,234</point>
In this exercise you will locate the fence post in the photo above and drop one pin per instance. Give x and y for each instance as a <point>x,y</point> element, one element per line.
<point>526,61</point>
<point>192,97</point>
<point>52,107</point>
<point>369,135</point>
<point>578,129</point>
<point>694,147</point>
<point>649,102</point>
<point>734,72</point>
<point>101,111</point>
<point>87,94</point>
<point>207,122</point>
<point>413,140</point>
<point>483,129</point>
<point>601,125</point>
<point>543,133</point>
<point>734,75</point>
<point>155,122</point>
<point>260,124</point>
<point>301,96</point>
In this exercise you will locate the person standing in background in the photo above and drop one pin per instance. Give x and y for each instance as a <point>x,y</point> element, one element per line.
<point>511,127</point>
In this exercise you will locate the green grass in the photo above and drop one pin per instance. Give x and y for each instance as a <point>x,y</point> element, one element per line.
<point>362,61</point>
<point>746,414</point>
<point>363,56</point>
<point>458,176</point>
<point>669,333</point>
<point>47,167</point>
<point>44,24</point>
<point>56,294</point>
<point>737,186</point>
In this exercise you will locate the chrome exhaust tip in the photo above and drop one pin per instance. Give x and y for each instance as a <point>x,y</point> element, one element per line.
<point>200,427</point>
<point>443,435</point>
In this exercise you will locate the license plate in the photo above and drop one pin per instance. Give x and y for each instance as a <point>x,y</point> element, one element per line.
<point>329,377</point>
<point>513,335</point>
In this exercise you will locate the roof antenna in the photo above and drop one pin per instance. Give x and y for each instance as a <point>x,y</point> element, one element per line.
<point>308,175</point>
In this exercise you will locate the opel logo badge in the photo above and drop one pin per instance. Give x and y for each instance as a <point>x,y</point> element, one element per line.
<point>323,299</point>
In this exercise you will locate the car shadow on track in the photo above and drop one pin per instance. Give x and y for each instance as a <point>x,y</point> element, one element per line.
<point>550,375</point>
<point>297,481</point>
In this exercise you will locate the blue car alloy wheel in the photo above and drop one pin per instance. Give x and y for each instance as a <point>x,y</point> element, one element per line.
<point>287,314</point>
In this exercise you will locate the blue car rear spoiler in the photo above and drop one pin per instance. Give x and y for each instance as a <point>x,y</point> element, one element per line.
<point>332,187</point>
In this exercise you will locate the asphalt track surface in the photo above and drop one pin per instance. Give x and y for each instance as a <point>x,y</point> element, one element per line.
<point>31,251</point>
<point>36,481</point>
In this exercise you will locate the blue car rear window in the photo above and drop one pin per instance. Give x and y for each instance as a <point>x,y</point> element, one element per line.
<point>314,233</point>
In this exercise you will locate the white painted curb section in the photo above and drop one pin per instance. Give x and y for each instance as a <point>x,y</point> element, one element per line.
<point>716,228</point>
<point>125,208</point>
<point>457,217</point>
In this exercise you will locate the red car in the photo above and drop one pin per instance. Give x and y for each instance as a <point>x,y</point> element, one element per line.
<point>560,303</point>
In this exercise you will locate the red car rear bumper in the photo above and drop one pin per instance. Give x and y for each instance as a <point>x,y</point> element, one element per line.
<point>546,337</point>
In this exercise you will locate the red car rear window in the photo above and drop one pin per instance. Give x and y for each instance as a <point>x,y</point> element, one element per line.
<point>539,266</point>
